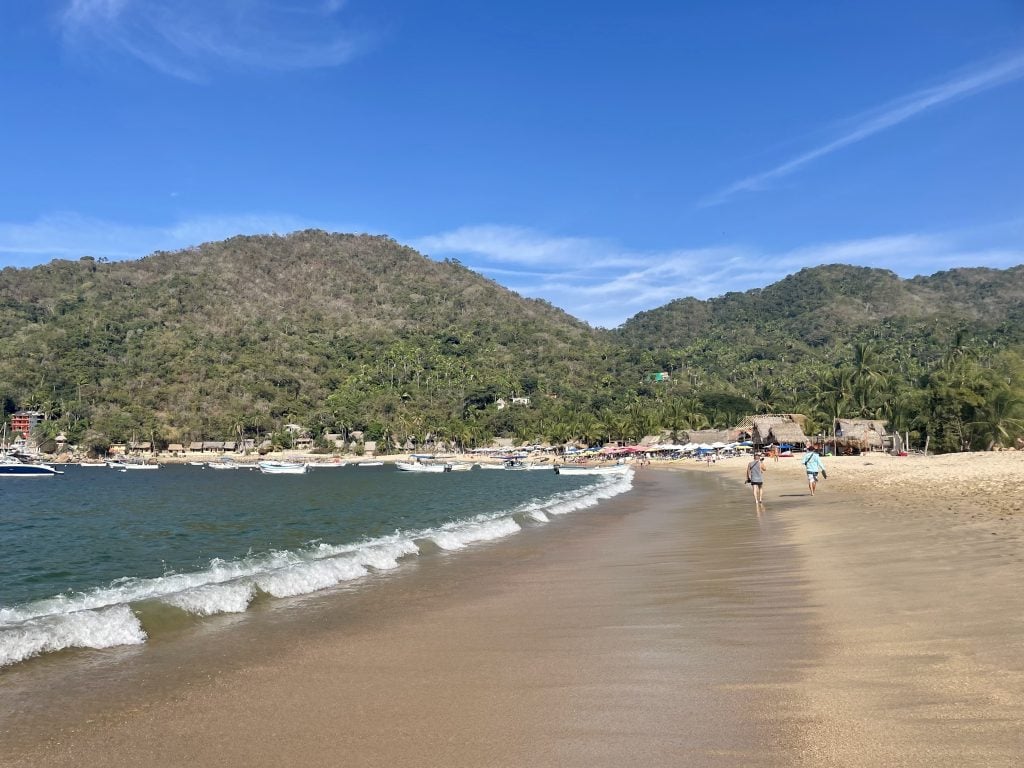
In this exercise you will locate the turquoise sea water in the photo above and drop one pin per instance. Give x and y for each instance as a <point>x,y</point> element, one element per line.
<point>86,556</point>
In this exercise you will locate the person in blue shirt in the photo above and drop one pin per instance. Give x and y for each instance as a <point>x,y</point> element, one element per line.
<point>812,463</point>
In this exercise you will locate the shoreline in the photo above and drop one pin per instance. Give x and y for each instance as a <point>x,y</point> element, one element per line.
<point>669,626</point>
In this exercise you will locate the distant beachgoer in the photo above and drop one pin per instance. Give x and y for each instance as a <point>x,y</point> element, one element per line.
<point>812,463</point>
<point>755,476</point>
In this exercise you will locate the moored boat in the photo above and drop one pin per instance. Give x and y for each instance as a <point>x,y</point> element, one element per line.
<point>420,466</point>
<point>225,462</point>
<point>282,467</point>
<point>12,466</point>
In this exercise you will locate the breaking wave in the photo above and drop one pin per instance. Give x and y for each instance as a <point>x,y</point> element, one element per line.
<point>109,616</point>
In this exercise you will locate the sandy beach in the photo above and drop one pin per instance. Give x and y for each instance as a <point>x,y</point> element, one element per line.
<point>878,623</point>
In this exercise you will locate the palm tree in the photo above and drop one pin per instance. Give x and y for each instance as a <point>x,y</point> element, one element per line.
<point>1000,417</point>
<point>766,398</point>
<point>831,395</point>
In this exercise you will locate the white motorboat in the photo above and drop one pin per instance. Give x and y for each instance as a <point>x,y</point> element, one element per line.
<point>419,466</point>
<point>282,467</point>
<point>132,463</point>
<point>225,462</point>
<point>12,466</point>
<point>370,464</point>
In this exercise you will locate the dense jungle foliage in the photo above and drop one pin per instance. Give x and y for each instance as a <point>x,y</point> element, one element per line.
<point>346,333</point>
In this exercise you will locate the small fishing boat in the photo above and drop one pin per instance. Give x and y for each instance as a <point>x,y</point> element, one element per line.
<point>225,462</point>
<point>370,464</point>
<point>123,465</point>
<point>282,467</point>
<point>422,466</point>
<point>12,466</point>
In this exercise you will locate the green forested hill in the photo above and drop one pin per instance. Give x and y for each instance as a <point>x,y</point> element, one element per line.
<point>253,331</point>
<point>343,332</point>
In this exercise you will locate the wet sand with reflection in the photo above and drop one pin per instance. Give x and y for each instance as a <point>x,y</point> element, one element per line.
<point>672,626</point>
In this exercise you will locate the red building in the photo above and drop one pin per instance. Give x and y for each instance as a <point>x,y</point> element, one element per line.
<point>23,422</point>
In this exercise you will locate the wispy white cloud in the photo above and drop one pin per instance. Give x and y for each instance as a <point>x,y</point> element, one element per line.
<point>190,40</point>
<point>605,284</point>
<point>515,245</point>
<point>887,116</point>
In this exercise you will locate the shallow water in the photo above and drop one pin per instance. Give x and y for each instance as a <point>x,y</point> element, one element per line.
<point>98,558</point>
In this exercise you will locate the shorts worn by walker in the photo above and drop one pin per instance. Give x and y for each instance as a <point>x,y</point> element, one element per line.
<point>812,477</point>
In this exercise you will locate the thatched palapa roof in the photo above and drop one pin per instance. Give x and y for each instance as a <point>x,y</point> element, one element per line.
<point>866,434</point>
<point>777,428</point>
<point>711,435</point>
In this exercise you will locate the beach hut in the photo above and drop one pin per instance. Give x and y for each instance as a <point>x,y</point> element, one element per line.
<point>195,447</point>
<point>775,429</point>
<point>856,435</point>
<point>710,436</point>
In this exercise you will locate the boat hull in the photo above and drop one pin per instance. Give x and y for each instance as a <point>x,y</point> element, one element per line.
<point>28,470</point>
<point>281,468</point>
<point>406,466</point>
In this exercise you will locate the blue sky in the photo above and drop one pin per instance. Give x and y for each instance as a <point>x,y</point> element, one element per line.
<point>607,157</point>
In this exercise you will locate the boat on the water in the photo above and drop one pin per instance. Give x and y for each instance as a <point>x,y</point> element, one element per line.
<point>422,466</point>
<point>132,463</point>
<point>12,466</point>
<point>282,467</point>
<point>370,464</point>
<point>583,469</point>
<point>225,462</point>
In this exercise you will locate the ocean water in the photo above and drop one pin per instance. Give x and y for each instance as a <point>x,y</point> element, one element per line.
<point>97,558</point>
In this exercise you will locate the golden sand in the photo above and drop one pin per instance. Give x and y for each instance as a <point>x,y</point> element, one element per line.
<point>674,626</point>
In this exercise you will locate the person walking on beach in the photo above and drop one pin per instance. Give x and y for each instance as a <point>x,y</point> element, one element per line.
<point>755,476</point>
<point>812,463</point>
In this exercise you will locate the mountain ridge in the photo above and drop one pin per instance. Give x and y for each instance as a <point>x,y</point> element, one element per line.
<point>357,331</point>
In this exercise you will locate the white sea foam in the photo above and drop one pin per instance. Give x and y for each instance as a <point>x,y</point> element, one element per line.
<point>102,617</point>
<point>212,599</point>
<point>305,577</point>
<point>460,535</point>
<point>81,629</point>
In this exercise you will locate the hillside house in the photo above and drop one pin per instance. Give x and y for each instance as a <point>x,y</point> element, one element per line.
<point>23,422</point>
